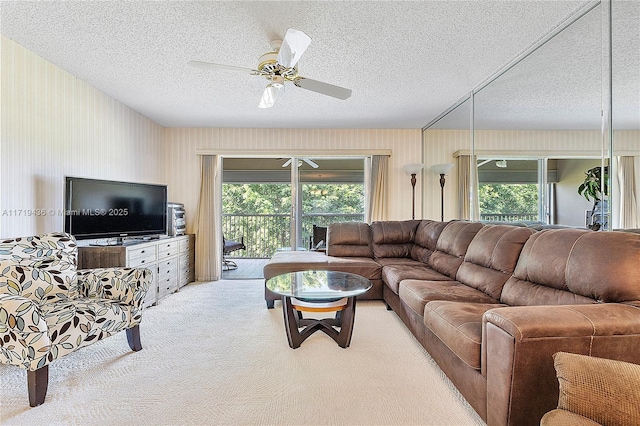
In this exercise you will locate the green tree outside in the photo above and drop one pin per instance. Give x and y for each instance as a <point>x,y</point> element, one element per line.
<point>508,199</point>
<point>261,212</point>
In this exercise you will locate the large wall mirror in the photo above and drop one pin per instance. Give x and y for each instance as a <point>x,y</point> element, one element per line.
<point>447,135</point>
<point>536,130</point>
<point>625,36</point>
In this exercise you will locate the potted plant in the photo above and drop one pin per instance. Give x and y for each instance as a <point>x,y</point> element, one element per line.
<point>596,187</point>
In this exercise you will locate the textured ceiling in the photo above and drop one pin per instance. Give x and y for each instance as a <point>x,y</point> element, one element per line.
<point>406,62</point>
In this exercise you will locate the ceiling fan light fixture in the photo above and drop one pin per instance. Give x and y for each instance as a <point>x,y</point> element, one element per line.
<point>502,164</point>
<point>269,96</point>
<point>277,81</point>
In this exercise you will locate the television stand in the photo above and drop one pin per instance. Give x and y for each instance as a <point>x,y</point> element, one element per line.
<point>170,259</point>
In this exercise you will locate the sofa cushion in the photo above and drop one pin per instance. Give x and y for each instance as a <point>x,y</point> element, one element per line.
<point>571,266</point>
<point>452,247</point>
<point>349,239</point>
<point>362,266</point>
<point>424,244</point>
<point>393,274</point>
<point>294,261</point>
<point>459,326</point>
<point>492,256</point>
<point>417,293</point>
<point>398,261</point>
<point>393,238</point>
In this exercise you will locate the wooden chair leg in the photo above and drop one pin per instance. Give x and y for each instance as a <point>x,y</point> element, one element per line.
<point>133,337</point>
<point>37,382</point>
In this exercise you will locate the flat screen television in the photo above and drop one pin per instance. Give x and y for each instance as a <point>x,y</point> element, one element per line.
<point>107,209</point>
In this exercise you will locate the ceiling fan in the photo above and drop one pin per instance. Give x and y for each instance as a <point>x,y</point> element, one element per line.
<point>279,66</point>
<point>306,160</point>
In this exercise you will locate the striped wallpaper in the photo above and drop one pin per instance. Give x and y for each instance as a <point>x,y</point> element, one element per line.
<point>182,167</point>
<point>55,125</point>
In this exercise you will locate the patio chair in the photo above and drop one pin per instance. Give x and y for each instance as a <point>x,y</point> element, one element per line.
<point>228,247</point>
<point>318,239</point>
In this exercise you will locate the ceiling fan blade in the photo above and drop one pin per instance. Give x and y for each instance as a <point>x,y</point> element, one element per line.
<point>287,163</point>
<point>293,46</point>
<point>323,88</point>
<point>269,96</point>
<point>311,163</point>
<point>209,66</point>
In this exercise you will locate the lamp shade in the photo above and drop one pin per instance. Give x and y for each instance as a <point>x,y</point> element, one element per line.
<point>441,169</point>
<point>413,169</point>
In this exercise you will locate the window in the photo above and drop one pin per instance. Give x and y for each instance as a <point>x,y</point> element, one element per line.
<point>509,190</point>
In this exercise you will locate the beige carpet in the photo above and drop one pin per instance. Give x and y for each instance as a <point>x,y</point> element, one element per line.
<point>213,354</point>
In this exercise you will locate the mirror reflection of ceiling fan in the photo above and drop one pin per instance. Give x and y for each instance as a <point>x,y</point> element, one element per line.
<point>279,66</point>
<point>306,160</point>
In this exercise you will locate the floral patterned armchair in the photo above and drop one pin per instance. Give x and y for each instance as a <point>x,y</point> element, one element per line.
<point>48,309</point>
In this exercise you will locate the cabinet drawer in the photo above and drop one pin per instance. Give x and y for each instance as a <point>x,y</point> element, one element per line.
<point>187,244</point>
<point>167,268</point>
<point>168,249</point>
<point>186,260</point>
<point>167,285</point>
<point>141,256</point>
<point>187,275</point>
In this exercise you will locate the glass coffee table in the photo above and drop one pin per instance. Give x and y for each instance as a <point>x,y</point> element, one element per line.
<point>318,291</point>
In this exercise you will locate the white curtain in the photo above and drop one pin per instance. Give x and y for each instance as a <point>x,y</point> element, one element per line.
<point>469,207</point>
<point>628,213</point>
<point>377,189</point>
<point>208,226</point>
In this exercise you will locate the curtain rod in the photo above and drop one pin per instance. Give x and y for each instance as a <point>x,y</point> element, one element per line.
<point>278,153</point>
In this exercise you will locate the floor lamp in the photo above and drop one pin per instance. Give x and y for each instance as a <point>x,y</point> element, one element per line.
<point>413,170</point>
<point>442,170</point>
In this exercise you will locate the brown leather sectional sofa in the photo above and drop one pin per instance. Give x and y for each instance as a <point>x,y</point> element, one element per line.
<point>493,303</point>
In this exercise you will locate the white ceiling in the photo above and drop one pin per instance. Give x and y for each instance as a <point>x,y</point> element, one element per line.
<point>406,62</point>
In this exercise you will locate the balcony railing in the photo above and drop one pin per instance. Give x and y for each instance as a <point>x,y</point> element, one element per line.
<point>264,234</point>
<point>509,217</point>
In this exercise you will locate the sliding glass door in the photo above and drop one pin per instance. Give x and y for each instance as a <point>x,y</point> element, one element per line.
<point>331,192</point>
<point>274,203</point>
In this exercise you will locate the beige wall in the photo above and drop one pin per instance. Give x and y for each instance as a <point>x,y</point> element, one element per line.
<point>182,166</point>
<point>571,206</point>
<point>54,125</point>
<point>439,147</point>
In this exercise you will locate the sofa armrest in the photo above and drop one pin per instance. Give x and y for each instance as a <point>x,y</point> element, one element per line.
<point>126,285</point>
<point>603,319</point>
<point>519,343</point>
<point>24,335</point>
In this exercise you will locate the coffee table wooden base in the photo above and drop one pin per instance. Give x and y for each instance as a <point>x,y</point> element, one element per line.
<point>293,322</point>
